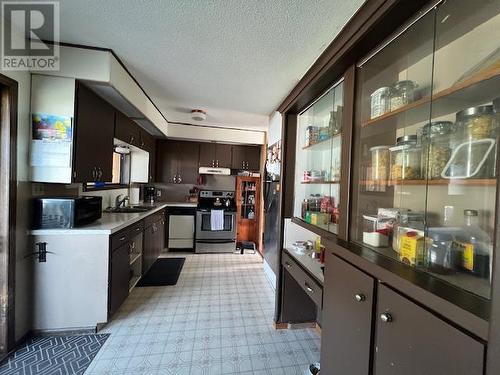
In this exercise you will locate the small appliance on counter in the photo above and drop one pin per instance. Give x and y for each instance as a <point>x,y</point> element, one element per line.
<point>66,212</point>
<point>149,194</point>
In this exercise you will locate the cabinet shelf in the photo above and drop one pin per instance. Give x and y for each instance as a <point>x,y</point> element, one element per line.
<point>133,282</point>
<point>320,143</point>
<point>320,182</point>
<point>134,257</point>
<point>482,86</point>
<point>463,182</point>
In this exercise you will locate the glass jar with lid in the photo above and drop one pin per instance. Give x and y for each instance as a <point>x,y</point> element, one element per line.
<point>437,147</point>
<point>402,93</point>
<point>406,159</point>
<point>379,167</point>
<point>476,123</point>
<point>380,102</point>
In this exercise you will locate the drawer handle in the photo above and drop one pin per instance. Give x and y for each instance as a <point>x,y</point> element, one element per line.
<point>287,265</point>
<point>386,317</point>
<point>122,238</point>
<point>360,297</point>
<point>309,289</point>
<point>138,229</point>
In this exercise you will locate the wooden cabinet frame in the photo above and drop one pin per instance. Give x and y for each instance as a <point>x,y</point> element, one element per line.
<point>370,26</point>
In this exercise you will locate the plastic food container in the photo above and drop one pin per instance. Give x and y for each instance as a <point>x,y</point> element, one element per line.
<point>375,233</point>
<point>437,145</point>
<point>439,256</point>
<point>380,166</point>
<point>471,159</point>
<point>380,102</point>
<point>402,93</point>
<point>406,159</point>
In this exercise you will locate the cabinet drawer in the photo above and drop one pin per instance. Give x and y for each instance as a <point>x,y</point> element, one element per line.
<point>148,221</point>
<point>411,340</point>
<point>120,238</point>
<point>307,283</point>
<point>136,228</point>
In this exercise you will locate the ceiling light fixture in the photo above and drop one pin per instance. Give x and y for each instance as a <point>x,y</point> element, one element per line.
<point>198,114</point>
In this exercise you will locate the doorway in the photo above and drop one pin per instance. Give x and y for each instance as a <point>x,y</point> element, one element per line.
<point>8,183</point>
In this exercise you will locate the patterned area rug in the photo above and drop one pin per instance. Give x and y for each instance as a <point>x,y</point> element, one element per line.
<point>58,355</point>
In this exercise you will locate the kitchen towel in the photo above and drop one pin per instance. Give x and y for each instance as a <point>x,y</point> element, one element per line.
<point>217,219</point>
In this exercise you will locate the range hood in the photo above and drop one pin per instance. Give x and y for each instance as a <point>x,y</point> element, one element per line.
<point>215,170</point>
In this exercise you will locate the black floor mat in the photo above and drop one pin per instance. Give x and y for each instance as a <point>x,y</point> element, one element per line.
<point>165,271</point>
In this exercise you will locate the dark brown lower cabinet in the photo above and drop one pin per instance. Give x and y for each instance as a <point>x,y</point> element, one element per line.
<point>412,341</point>
<point>347,319</point>
<point>302,297</point>
<point>154,240</point>
<point>119,277</point>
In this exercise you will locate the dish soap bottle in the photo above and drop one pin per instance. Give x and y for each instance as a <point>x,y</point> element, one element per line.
<point>474,246</point>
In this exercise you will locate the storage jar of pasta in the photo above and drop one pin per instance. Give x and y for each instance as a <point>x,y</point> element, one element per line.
<point>406,159</point>
<point>436,144</point>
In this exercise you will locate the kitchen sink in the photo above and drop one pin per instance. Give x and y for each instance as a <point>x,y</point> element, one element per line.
<point>128,210</point>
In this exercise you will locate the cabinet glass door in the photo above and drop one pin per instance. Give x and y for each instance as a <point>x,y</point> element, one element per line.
<point>425,144</point>
<point>317,165</point>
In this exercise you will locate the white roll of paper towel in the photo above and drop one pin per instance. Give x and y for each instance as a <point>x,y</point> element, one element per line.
<point>134,195</point>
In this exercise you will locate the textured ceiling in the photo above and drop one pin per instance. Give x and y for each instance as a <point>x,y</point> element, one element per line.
<point>236,58</point>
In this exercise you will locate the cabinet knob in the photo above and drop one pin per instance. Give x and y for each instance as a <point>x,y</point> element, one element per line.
<point>386,317</point>
<point>179,179</point>
<point>308,288</point>
<point>287,265</point>
<point>360,297</point>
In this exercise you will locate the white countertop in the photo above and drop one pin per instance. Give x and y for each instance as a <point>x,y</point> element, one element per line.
<point>111,222</point>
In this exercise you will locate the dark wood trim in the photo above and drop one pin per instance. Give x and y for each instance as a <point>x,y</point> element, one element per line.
<point>373,22</point>
<point>8,199</point>
<point>466,310</point>
<point>347,146</point>
<point>492,358</point>
<point>288,148</point>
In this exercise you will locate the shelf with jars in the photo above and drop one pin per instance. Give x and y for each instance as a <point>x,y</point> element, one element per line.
<point>318,158</point>
<point>426,134</point>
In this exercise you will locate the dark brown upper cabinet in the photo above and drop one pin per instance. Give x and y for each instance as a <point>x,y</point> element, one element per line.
<point>177,162</point>
<point>93,149</point>
<point>127,130</point>
<point>246,158</point>
<point>215,155</point>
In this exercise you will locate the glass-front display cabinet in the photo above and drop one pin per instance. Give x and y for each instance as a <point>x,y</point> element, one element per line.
<point>317,163</point>
<point>426,142</point>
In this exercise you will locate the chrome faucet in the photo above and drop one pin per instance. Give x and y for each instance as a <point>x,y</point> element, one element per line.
<point>119,201</point>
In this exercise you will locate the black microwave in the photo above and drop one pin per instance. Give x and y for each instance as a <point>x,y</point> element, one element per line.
<point>66,212</point>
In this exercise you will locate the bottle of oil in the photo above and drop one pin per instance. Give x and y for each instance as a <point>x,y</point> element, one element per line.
<point>474,246</point>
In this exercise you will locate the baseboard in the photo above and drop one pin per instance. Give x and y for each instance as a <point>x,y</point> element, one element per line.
<point>270,276</point>
<point>65,332</point>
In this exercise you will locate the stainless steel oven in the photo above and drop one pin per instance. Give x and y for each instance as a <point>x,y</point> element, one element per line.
<point>215,241</point>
